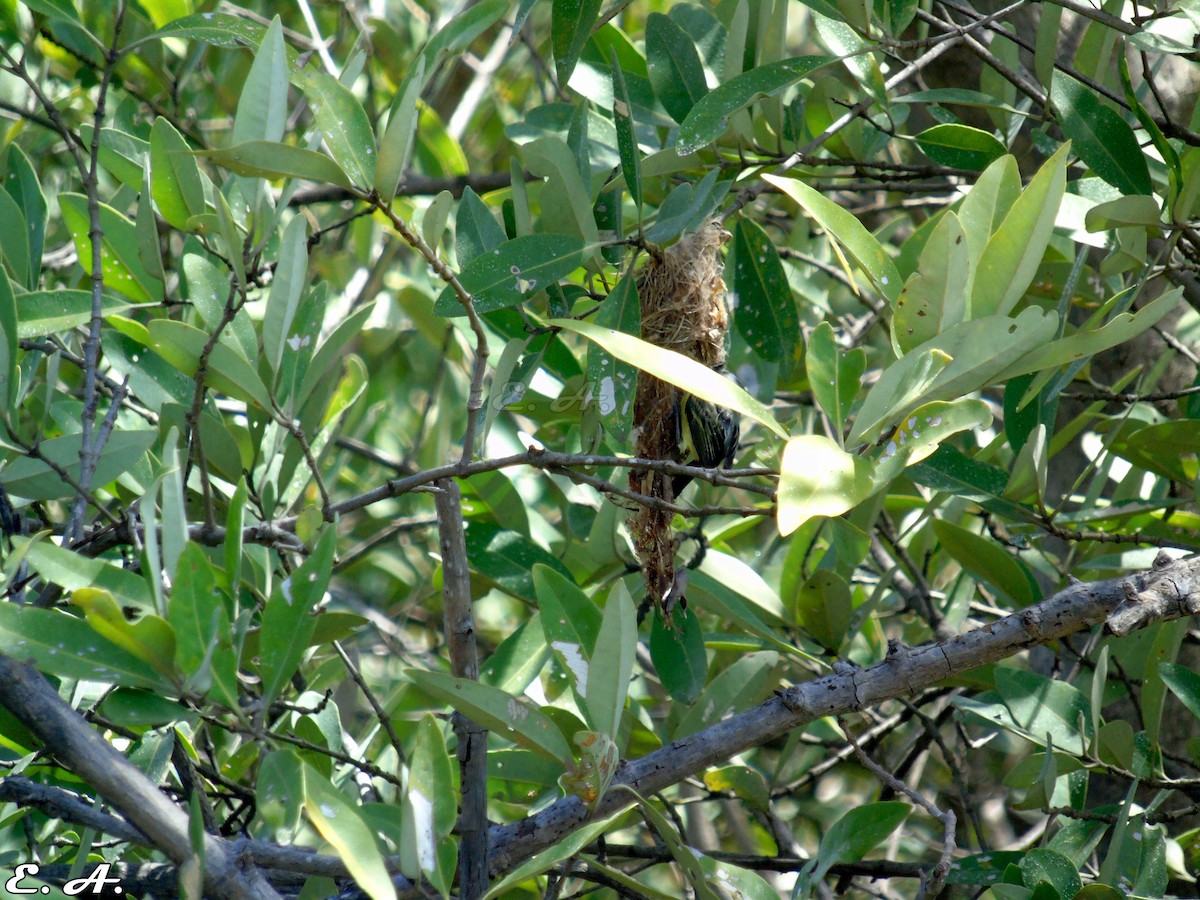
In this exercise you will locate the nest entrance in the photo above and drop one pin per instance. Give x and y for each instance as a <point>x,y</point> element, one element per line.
<point>682,298</point>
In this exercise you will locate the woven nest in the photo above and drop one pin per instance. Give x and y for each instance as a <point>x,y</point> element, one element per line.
<point>682,297</point>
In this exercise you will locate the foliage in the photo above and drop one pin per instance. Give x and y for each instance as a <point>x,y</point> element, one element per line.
<point>281,280</point>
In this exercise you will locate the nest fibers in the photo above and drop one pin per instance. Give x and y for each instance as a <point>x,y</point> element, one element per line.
<point>682,298</point>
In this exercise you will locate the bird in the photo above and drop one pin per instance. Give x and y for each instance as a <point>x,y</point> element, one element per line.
<point>707,434</point>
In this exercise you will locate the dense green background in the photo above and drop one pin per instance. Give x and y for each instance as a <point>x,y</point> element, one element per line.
<point>252,256</point>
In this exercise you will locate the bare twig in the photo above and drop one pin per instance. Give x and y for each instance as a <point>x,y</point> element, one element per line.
<point>932,886</point>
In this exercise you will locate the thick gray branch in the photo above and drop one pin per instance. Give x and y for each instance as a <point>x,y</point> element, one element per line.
<point>28,695</point>
<point>1170,586</point>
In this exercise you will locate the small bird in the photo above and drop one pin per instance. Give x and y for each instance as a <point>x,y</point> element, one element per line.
<point>708,434</point>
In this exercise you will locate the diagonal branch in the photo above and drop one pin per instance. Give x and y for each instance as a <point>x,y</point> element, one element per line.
<point>1173,588</point>
<point>28,695</point>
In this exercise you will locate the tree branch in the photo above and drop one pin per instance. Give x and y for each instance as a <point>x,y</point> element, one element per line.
<point>1173,586</point>
<point>464,663</point>
<point>28,696</point>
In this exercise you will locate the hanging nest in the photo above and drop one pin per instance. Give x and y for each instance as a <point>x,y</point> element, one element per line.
<point>682,298</point>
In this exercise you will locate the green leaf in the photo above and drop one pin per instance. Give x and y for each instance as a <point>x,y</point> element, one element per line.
<point>40,313</point>
<point>69,647</point>
<point>430,804</point>
<point>824,607</point>
<point>834,376</point>
<point>960,146</point>
<point>64,11</point>
<point>218,29</point>
<point>175,178</point>
<point>726,602</point>
<point>709,116</point>
<point>72,571</point>
<point>433,220</point>
<point>918,434</point>
<point>23,186</point>
<point>506,559</point>
<point>848,232</point>
<point>270,159</point>
<point>34,479</point>
<point>566,201</point>
<point>819,478</point>
<point>122,154</point>
<point>1184,684</point>
<point>987,561</point>
<point>121,263</point>
<point>1044,866</point>
<point>476,230</point>
<point>461,31</point>
<point>328,353</point>
<point>736,688</point>
<point>340,823</point>
<point>608,684</point>
<point>677,651</point>
<point>1085,343</point>
<point>613,382</point>
<point>137,708</point>
<point>396,143</point>
<point>934,296</point>
<point>744,884</point>
<point>571,623</point>
<point>674,368</point>
<point>986,205</point>
<point>571,23</point>
<point>513,271</point>
<point>542,862</point>
<point>747,783</point>
<point>1164,147</point>
<point>627,144</point>
<point>960,360</point>
<point>952,471</point>
<point>850,839</point>
<point>519,658</point>
<point>512,718</point>
<point>14,240</point>
<point>685,857</point>
<point>687,208</point>
<point>299,346</point>
<point>287,621</point>
<point>1136,209</point>
<point>150,638</point>
<point>676,73</point>
<point>146,229</point>
<point>10,372</point>
<point>235,519</point>
<point>263,104</point>
<point>765,314</point>
<point>198,615</point>
<point>1039,706</point>
<point>344,125</point>
<point>287,287</point>
<point>1015,251</point>
<point>1100,136</point>
<point>182,345</point>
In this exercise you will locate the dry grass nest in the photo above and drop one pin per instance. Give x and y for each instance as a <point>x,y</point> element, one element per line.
<point>682,298</point>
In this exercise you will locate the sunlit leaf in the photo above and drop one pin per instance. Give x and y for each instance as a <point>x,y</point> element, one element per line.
<point>675,368</point>
<point>819,478</point>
